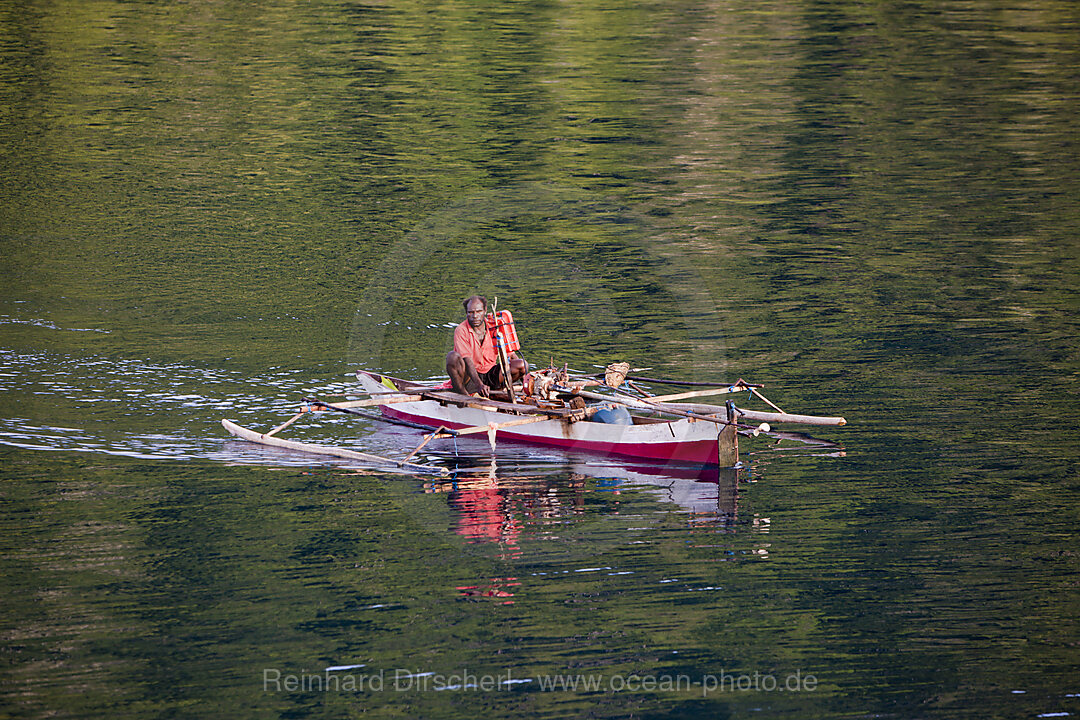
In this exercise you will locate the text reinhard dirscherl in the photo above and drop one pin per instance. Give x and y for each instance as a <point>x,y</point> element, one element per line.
<point>399,680</point>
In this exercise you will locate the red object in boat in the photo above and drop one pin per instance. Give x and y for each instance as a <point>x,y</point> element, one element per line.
<point>501,325</point>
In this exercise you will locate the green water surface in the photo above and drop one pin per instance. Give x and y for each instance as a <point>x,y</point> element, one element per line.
<point>214,209</point>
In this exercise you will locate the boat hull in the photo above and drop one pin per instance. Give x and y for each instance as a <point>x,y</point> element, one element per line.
<point>683,441</point>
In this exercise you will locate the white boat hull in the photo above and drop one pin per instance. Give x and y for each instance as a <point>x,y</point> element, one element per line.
<point>687,440</point>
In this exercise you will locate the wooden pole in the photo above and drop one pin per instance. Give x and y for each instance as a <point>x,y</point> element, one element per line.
<point>697,393</point>
<point>370,416</point>
<point>287,423</point>
<point>372,402</point>
<point>504,361</point>
<point>508,381</point>
<point>427,439</point>
<point>688,383</point>
<point>768,402</point>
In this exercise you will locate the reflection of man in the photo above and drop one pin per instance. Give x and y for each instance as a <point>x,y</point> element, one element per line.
<point>473,364</point>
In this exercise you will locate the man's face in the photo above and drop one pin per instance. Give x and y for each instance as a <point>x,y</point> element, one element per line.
<point>475,314</point>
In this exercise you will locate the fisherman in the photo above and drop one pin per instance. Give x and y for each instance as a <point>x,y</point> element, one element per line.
<point>473,364</point>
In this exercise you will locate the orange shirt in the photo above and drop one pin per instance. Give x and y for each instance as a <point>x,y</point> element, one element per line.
<point>484,356</point>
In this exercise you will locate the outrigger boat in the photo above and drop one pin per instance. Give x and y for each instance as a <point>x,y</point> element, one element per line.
<point>550,407</point>
<point>565,415</point>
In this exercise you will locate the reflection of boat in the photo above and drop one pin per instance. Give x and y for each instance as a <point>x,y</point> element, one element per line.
<point>498,505</point>
<point>703,435</point>
<point>507,511</point>
<point>709,491</point>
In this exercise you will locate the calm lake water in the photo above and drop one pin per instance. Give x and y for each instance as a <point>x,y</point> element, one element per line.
<point>215,209</point>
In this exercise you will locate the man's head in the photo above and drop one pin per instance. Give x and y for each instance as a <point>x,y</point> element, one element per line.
<point>475,309</point>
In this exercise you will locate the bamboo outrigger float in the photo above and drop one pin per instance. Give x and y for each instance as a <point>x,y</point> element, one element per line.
<point>269,439</point>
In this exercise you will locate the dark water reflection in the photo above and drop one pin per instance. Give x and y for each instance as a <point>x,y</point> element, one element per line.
<point>213,210</point>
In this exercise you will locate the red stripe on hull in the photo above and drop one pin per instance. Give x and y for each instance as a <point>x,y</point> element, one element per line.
<point>704,452</point>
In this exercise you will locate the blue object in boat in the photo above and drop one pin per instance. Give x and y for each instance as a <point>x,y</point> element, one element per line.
<point>616,415</point>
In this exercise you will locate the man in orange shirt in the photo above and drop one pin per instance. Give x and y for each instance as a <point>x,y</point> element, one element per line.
<point>473,364</point>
